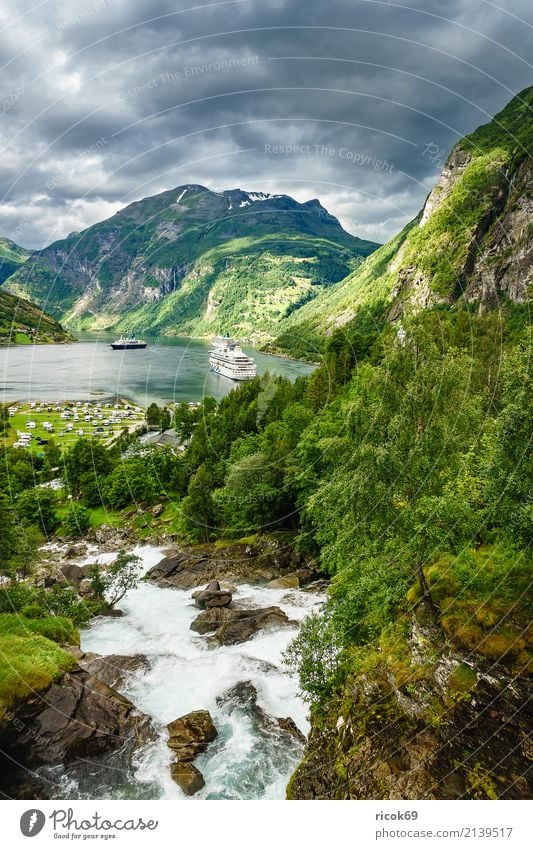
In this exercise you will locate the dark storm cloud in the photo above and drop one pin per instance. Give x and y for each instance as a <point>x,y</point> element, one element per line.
<point>106,101</point>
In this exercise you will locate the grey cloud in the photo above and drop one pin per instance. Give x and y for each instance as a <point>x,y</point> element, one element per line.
<point>119,100</point>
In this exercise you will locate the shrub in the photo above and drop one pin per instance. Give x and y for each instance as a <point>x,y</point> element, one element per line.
<point>15,597</point>
<point>33,611</point>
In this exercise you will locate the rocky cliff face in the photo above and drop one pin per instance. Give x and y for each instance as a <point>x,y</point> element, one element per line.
<point>436,724</point>
<point>472,241</point>
<point>492,257</point>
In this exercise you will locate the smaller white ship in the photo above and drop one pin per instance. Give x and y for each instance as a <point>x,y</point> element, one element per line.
<point>227,358</point>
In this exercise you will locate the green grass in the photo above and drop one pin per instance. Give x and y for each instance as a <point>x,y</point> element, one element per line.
<point>30,657</point>
<point>55,628</point>
<point>28,664</point>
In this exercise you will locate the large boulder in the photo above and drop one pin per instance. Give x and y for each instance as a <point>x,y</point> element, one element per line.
<point>294,580</point>
<point>172,562</point>
<point>209,620</point>
<point>78,716</point>
<point>238,630</point>
<point>189,735</point>
<point>73,574</point>
<point>187,777</point>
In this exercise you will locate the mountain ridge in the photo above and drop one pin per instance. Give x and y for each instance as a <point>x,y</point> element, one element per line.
<point>194,261</point>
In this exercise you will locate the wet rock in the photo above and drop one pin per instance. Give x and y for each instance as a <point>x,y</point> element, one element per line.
<point>288,582</point>
<point>192,566</point>
<point>212,597</point>
<point>189,735</point>
<point>157,509</point>
<point>73,574</point>
<point>77,716</point>
<point>297,578</point>
<point>170,564</point>
<point>209,620</point>
<point>114,669</point>
<point>249,622</point>
<point>112,612</point>
<point>289,725</point>
<point>187,777</point>
<point>243,696</point>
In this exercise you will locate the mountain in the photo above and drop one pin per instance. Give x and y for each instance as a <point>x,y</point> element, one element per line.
<point>193,261</point>
<point>24,322</point>
<point>12,256</point>
<point>471,243</point>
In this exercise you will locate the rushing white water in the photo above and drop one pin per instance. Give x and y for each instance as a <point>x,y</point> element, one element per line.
<point>185,675</point>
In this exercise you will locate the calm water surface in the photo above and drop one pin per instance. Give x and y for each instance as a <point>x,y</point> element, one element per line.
<point>168,370</point>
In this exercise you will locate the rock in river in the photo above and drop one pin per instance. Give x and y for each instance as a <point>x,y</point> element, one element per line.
<point>212,596</point>
<point>114,669</point>
<point>233,625</point>
<point>239,630</point>
<point>191,734</point>
<point>187,777</point>
<point>243,697</point>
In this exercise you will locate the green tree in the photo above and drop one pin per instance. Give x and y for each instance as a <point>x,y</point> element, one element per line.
<point>198,507</point>
<point>251,496</point>
<point>112,583</point>
<point>86,464</point>
<point>76,522</point>
<point>185,419</point>
<point>8,532</point>
<point>37,506</point>
<point>132,480</point>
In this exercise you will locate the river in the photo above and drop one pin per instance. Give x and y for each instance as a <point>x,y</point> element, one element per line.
<point>168,370</point>
<point>185,675</point>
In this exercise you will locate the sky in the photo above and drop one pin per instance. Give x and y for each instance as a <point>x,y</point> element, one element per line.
<point>355,102</point>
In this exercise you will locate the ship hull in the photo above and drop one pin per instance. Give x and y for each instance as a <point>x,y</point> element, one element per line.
<point>125,347</point>
<point>223,371</point>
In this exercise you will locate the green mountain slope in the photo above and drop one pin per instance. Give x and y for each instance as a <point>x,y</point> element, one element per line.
<point>24,322</point>
<point>194,261</point>
<point>12,256</point>
<point>472,242</point>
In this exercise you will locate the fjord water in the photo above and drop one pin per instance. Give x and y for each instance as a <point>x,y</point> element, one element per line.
<point>168,370</point>
<point>186,675</point>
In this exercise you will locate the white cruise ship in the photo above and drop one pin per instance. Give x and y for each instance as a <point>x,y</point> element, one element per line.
<point>227,358</point>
